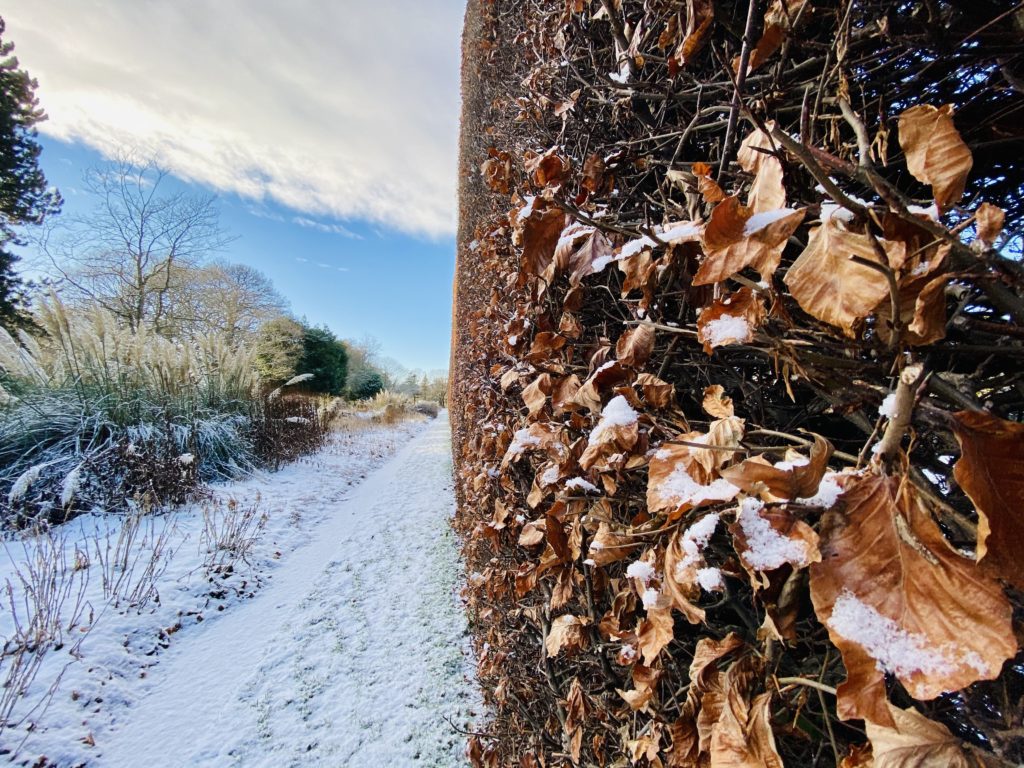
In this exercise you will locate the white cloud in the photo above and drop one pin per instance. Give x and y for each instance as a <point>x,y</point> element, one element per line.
<point>330,229</point>
<point>336,108</point>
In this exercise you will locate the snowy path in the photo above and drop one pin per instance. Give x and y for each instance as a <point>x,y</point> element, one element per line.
<point>352,656</point>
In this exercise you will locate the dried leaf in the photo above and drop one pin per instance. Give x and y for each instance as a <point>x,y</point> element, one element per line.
<point>791,480</point>
<point>716,403</point>
<point>699,16</point>
<point>567,633</point>
<point>657,393</point>
<point>829,285</point>
<point>655,632</point>
<point>991,471</point>
<point>541,231</point>
<point>736,238</point>
<point>680,477</point>
<point>896,598</point>
<point>989,219</point>
<point>767,192</point>
<point>536,394</point>
<point>708,187</point>
<point>914,741</point>
<point>731,319</point>
<point>635,346</point>
<point>742,737</point>
<point>936,155</point>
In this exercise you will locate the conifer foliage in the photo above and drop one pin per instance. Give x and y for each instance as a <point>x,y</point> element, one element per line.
<point>25,197</point>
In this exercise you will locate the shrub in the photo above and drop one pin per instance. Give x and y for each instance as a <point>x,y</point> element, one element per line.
<point>323,356</point>
<point>365,384</point>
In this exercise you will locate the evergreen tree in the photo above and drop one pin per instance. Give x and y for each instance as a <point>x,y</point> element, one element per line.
<point>24,195</point>
<point>324,356</point>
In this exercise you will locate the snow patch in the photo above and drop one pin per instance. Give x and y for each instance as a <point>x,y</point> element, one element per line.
<point>766,548</point>
<point>640,570</point>
<point>579,484</point>
<point>618,413</point>
<point>726,329</point>
<point>710,579</point>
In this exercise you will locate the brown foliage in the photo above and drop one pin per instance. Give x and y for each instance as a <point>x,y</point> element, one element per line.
<point>689,522</point>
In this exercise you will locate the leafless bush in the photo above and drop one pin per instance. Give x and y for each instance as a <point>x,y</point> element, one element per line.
<point>47,601</point>
<point>230,531</point>
<point>132,560</point>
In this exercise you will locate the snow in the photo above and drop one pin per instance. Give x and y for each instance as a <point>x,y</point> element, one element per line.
<point>694,540</point>
<point>888,407</point>
<point>339,642</point>
<point>766,548</point>
<point>710,579</point>
<point>725,329</point>
<point>549,476</point>
<point>69,487</point>
<point>618,413</point>
<point>186,459</point>
<point>828,492</point>
<point>580,484</point>
<point>759,221</point>
<point>298,379</point>
<point>680,488</point>
<point>649,598</point>
<point>640,570</point>
<point>522,440</point>
<point>526,210</point>
<point>894,649</point>
<point>24,482</point>
<point>790,464</point>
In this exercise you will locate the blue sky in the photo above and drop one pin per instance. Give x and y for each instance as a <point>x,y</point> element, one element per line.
<point>327,128</point>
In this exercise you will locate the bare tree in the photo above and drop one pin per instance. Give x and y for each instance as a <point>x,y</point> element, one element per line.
<point>128,254</point>
<point>233,300</point>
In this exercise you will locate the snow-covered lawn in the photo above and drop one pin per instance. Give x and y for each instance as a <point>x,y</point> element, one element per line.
<point>338,639</point>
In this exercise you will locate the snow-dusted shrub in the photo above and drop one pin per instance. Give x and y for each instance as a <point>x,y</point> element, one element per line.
<point>93,414</point>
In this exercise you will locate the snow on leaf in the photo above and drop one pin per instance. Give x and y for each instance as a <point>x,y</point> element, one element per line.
<point>991,472</point>
<point>24,481</point>
<point>616,432</point>
<point>936,155</point>
<point>769,540</point>
<point>680,477</point>
<point>71,484</point>
<point>885,552</point>
<point>730,319</point>
<point>730,246</point>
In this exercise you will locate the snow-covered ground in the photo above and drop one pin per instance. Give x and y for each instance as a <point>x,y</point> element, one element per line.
<point>339,642</point>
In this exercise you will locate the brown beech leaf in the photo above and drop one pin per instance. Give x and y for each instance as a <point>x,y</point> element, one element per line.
<point>563,393</point>
<point>991,471</point>
<point>776,27</point>
<point>914,741</point>
<point>645,679</point>
<point>565,249</point>
<point>736,237</point>
<point>602,380</point>
<point>497,170</point>
<point>536,394</point>
<point>699,16</point>
<point>546,346</point>
<point>717,404</point>
<point>538,436</point>
<point>936,155</point>
<point>575,715</point>
<point>859,756</point>
<point>594,248</point>
<point>532,533</point>
<point>609,546</point>
<point>616,432</point>
<point>657,392</point>
<point>730,320</point>
<point>708,187</point>
<point>567,633</point>
<point>754,156</point>
<point>593,172</point>
<point>989,220</point>
<point>828,284</point>
<point>897,598</point>
<point>680,579</point>
<point>635,346</point>
<point>742,737</point>
<point>655,632</point>
<point>541,231</point>
<point>787,480</point>
<point>549,169</point>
